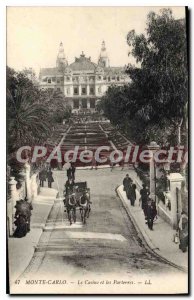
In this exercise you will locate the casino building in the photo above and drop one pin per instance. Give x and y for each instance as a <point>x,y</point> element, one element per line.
<point>82,82</point>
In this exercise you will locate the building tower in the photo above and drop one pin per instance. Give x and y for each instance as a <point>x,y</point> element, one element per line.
<point>103,58</point>
<point>61,59</point>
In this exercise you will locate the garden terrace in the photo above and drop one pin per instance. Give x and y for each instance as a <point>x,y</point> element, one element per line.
<point>118,140</point>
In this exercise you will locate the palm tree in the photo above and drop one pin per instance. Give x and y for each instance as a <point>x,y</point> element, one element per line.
<point>27,120</point>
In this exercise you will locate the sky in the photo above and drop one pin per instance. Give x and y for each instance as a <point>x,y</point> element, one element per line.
<point>34,33</point>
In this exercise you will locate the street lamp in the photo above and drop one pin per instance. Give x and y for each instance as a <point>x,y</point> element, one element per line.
<point>153,147</point>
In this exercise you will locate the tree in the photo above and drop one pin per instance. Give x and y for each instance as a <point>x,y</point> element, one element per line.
<point>27,122</point>
<point>153,105</point>
<point>58,109</point>
<point>162,76</point>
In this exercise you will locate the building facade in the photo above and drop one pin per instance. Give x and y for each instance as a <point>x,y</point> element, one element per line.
<point>82,82</point>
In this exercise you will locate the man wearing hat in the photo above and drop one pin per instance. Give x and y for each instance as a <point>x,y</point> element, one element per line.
<point>144,192</point>
<point>126,183</point>
<point>151,213</point>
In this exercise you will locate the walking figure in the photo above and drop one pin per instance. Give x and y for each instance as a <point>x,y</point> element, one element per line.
<point>151,213</point>
<point>28,213</point>
<point>132,194</point>
<point>144,197</point>
<point>126,182</point>
<point>183,232</point>
<point>50,178</point>
<point>72,168</point>
<point>42,177</point>
<point>69,173</point>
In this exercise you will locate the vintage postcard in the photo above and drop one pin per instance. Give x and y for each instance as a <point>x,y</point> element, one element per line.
<point>97,150</point>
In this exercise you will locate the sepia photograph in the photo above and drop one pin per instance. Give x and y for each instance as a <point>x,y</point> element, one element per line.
<point>97,108</point>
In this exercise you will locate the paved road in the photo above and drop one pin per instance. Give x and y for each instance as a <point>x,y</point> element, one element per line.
<point>108,245</point>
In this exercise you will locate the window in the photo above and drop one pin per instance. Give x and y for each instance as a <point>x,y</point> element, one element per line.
<point>83,90</point>
<point>104,77</point>
<point>49,80</point>
<point>91,90</point>
<point>75,78</point>
<point>109,78</point>
<point>92,103</point>
<point>99,90</point>
<point>58,89</point>
<point>99,77</point>
<point>58,80</point>
<point>118,78</point>
<point>83,78</point>
<point>91,78</point>
<point>76,104</point>
<point>75,91</point>
<point>68,91</point>
<point>84,103</point>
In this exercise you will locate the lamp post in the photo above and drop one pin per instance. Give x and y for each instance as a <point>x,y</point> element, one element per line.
<point>28,182</point>
<point>153,147</point>
<point>166,167</point>
<point>26,171</point>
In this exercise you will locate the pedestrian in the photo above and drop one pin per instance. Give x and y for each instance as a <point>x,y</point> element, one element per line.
<point>133,198</point>
<point>131,193</point>
<point>22,216</point>
<point>155,213</point>
<point>73,171</point>
<point>144,197</point>
<point>42,177</point>
<point>28,213</point>
<point>50,178</point>
<point>150,213</point>
<point>21,226</point>
<point>126,182</point>
<point>69,173</point>
<point>183,232</point>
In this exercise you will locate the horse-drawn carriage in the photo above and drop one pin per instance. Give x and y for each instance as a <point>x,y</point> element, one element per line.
<point>78,199</point>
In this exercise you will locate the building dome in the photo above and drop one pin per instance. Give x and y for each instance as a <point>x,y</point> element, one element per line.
<point>82,63</point>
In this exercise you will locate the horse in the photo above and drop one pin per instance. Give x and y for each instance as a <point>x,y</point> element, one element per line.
<point>70,203</point>
<point>85,208</point>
